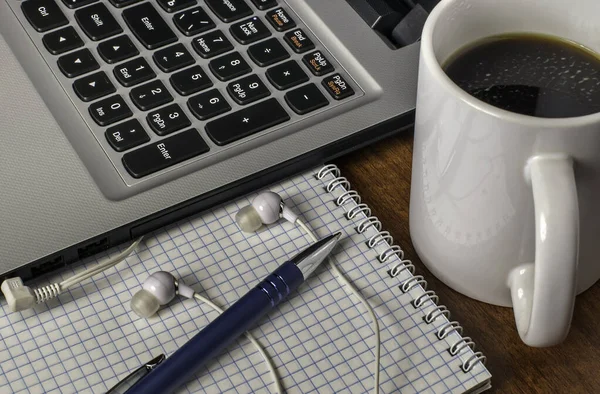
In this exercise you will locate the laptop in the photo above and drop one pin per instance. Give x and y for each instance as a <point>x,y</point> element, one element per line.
<point>118,117</point>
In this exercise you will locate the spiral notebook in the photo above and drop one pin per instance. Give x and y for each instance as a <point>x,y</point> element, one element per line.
<point>320,339</point>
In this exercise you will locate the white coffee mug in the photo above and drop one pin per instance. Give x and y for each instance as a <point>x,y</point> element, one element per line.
<point>505,208</point>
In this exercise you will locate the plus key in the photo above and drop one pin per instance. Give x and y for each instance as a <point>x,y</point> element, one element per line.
<point>248,121</point>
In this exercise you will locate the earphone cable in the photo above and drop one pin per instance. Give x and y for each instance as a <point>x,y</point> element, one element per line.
<point>268,361</point>
<point>354,291</point>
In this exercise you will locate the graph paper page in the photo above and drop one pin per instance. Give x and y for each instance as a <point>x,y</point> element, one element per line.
<point>320,340</point>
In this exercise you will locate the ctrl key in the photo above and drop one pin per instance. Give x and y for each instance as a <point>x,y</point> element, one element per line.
<point>164,153</point>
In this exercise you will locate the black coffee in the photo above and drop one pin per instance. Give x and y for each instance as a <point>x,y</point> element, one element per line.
<point>530,74</point>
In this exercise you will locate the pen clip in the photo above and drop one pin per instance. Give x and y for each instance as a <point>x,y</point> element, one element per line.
<point>136,375</point>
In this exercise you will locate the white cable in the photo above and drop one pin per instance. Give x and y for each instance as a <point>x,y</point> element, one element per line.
<point>80,277</point>
<point>354,291</point>
<point>268,361</point>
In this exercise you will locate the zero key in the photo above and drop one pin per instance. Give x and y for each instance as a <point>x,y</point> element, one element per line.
<point>43,14</point>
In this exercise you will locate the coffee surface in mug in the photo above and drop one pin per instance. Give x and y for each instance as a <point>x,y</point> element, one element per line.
<point>531,74</point>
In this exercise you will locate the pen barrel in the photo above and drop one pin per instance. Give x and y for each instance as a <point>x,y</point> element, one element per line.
<point>221,332</point>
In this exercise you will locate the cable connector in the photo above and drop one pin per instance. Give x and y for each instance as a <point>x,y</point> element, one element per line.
<point>18,296</point>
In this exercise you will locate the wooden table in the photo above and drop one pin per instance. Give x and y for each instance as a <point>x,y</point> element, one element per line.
<point>381,174</point>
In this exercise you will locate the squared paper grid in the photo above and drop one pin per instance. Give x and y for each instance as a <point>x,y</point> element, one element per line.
<point>320,339</point>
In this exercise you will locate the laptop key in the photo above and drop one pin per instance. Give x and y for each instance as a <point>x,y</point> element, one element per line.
<point>298,41</point>
<point>306,99</point>
<point>123,3</point>
<point>317,63</point>
<point>280,19</point>
<point>193,21</point>
<point>229,10</point>
<point>109,110</point>
<point>249,30</point>
<point>337,87</point>
<point>133,72</point>
<point>229,66</point>
<point>245,122</point>
<point>43,14</point>
<point>168,120</point>
<point>164,153</point>
<point>286,75</point>
<point>97,22</point>
<point>267,52</point>
<point>208,105</point>
<point>173,58</point>
<point>117,49</point>
<point>77,3</point>
<point>148,26</point>
<point>175,5</point>
<point>150,95</point>
<point>126,135</point>
<point>93,86</point>
<point>77,63</point>
<point>62,40</point>
<point>248,89</point>
<point>264,4</point>
<point>211,44</point>
<point>190,80</point>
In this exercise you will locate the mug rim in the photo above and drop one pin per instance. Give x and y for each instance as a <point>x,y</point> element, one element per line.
<point>440,75</point>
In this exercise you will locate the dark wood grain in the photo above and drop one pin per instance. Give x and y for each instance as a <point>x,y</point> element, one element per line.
<point>381,174</point>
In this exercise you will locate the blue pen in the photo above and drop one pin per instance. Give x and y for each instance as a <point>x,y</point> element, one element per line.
<point>237,319</point>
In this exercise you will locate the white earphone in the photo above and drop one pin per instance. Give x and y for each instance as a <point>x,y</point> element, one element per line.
<point>266,208</point>
<point>159,289</point>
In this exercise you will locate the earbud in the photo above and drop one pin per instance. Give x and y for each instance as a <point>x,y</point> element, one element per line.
<point>266,208</point>
<point>159,289</point>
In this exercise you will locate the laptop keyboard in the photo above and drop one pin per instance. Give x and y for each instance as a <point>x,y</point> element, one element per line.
<point>171,80</point>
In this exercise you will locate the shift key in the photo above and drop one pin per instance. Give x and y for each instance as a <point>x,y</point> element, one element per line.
<point>148,26</point>
<point>164,153</point>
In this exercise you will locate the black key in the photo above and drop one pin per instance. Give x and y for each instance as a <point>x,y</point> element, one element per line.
<point>150,95</point>
<point>97,22</point>
<point>286,75</point>
<point>306,99</point>
<point>190,81</point>
<point>229,10</point>
<point>248,90</point>
<point>194,21</point>
<point>337,87</point>
<point>77,3</point>
<point>43,14</point>
<point>168,120</point>
<point>208,105</point>
<point>164,153</point>
<point>211,44</point>
<point>229,66</point>
<point>249,120</point>
<point>317,63</point>
<point>267,52</point>
<point>93,86</point>
<point>123,3</point>
<point>77,63</point>
<point>148,26</point>
<point>173,58</point>
<point>264,4</point>
<point>126,135</point>
<point>117,49</point>
<point>133,72</point>
<point>280,19</point>
<point>62,40</point>
<point>175,5</point>
<point>249,30</point>
<point>109,110</point>
<point>298,41</point>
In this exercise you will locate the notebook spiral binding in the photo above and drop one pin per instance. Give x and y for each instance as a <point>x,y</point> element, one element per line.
<point>404,265</point>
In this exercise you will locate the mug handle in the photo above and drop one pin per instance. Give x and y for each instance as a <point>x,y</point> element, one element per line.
<point>543,293</point>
